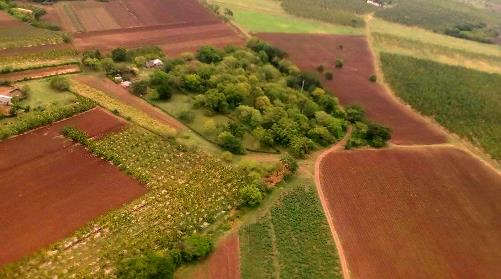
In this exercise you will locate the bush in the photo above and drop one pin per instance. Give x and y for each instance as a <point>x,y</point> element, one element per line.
<point>227,156</point>
<point>151,265</point>
<point>60,83</point>
<point>139,87</point>
<point>75,135</point>
<point>373,78</point>
<point>250,195</point>
<point>339,63</point>
<point>119,55</point>
<point>329,76</point>
<point>164,91</point>
<point>196,247</point>
<point>355,113</point>
<point>209,55</point>
<point>320,68</point>
<point>290,162</point>
<point>186,116</point>
<point>230,142</point>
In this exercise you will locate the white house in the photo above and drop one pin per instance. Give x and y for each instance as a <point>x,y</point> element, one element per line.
<point>154,63</point>
<point>5,100</point>
<point>125,84</point>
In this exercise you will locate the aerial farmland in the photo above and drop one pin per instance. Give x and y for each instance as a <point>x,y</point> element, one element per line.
<point>220,139</point>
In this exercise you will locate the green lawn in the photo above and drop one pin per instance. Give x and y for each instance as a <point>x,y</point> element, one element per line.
<point>268,16</point>
<point>467,102</point>
<point>42,94</point>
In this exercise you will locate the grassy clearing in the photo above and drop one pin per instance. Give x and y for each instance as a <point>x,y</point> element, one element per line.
<point>42,94</point>
<point>420,43</point>
<point>39,59</point>
<point>292,240</point>
<point>181,199</point>
<point>465,101</point>
<point>268,16</point>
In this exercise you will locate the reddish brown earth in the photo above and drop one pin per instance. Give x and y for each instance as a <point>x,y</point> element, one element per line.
<point>8,21</point>
<point>430,212</point>
<point>116,91</point>
<point>40,73</point>
<point>51,186</point>
<point>351,84</point>
<point>223,263</point>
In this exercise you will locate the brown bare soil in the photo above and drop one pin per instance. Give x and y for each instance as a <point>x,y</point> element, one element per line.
<point>40,73</point>
<point>116,91</point>
<point>51,186</point>
<point>430,212</point>
<point>174,39</point>
<point>351,83</point>
<point>8,21</point>
<point>223,263</point>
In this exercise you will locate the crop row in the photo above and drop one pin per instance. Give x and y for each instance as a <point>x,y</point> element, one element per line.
<point>27,61</point>
<point>295,235</point>
<point>188,190</point>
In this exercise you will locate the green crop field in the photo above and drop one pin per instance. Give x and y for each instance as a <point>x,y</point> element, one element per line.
<point>38,59</point>
<point>292,240</point>
<point>268,16</point>
<point>467,102</point>
<point>181,198</point>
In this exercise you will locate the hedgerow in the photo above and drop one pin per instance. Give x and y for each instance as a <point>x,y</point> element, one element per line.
<point>37,118</point>
<point>465,101</point>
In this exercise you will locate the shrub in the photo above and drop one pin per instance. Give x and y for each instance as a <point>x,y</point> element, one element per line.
<point>227,156</point>
<point>355,113</point>
<point>151,265</point>
<point>60,83</point>
<point>230,142</point>
<point>373,78</point>
<point>250,195</point>
<point>209,55</point>
<point>119,54</point>
<point>196,247</point>
<point>320,68</point>
<point>339,63</point>
<point>91,63</point>
<point>75,135</point>
<point>139,87</point>
<point>329,76</point>
<point>186,116</point>
<point>67,38</point>
<point>290,162</point>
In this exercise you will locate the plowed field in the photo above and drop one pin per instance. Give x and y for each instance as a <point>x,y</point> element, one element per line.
<point>51,187</point>
<point>351,83</point>
<point>430,212</point>
<point>223,263</point>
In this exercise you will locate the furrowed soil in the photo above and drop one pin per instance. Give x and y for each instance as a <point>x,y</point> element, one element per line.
<point>223,263</point>
<point>351,83</point>
<point>51,186</point>
<point>116,91</point>
<point>40,73</point>
<point>430,212</point>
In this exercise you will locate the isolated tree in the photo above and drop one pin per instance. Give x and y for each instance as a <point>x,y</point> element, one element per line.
<point>60,83</point>
<point>147,266</point>
<point>139,87</point>
<point>251,195</point>
<point>197,247</point>
<point>209,55</point>
<point>119,54</point>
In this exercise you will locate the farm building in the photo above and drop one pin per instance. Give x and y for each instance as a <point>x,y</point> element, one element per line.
<point>5,100</point>
<point>7,93</point>
<point>154,63</point>
<point>377,3</point>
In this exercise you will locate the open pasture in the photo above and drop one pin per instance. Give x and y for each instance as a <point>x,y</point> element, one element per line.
<point>47,192</point>
<point>422,212</point>
<point>351,83</point>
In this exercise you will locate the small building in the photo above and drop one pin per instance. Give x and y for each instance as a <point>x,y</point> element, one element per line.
<point>118,79</point>
<point>377,3</point>
<point>155,63</point>
<point>5,100</point>
<point>125,84</point>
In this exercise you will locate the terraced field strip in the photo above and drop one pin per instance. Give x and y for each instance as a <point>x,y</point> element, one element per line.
<point>434,209</point>
<point>50,191</point>
<point>351,83</point>
<point>41,73</point>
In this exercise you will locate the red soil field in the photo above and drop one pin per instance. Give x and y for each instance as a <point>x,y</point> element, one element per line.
<point>174,39</point>
<point>351,84</point>
<point>40,73</point>
<point>430,212</point>
<point>8,21</point>
<point>51,187</point>
<point>223,263</point>
<point>116,91</point>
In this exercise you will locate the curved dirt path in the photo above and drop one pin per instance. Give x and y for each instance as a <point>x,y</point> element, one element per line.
<point>338,146</point>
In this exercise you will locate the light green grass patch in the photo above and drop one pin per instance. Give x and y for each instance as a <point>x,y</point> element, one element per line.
<point>42,94</point>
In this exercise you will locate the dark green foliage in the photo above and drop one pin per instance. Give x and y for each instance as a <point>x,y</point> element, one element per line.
<point>196,247</point>
<point>230,142</point>
<point>355,113</point>
<point>148,52</point>
<point>209,55</point>
<point>251,195</point>
<point>372,78</point>
<point>368,134</point>
<point>304,81</point>
<point>273,54</point>
<point>339,63</point>
<point>329,76</point>
<point>119,55</point>
<point>465,101</point>
<point>149,266</point>
<point>290,162</point>
<point>186,116</point>
<point>96,54</point>
<point>139,87</point>
<point>320,68</point>
<point>60,83</point>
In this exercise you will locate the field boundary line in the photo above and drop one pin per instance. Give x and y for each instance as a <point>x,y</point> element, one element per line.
<point>336,147</point>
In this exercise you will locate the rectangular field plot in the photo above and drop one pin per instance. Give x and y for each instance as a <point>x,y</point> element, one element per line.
<point>427,212</point>
<point>51,187</point>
